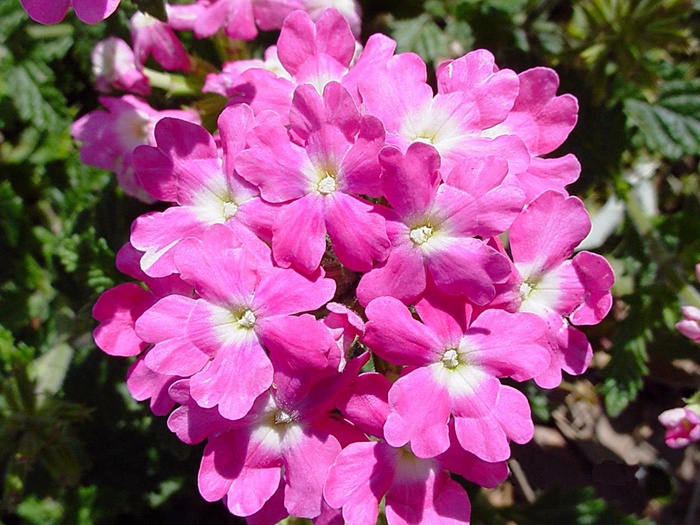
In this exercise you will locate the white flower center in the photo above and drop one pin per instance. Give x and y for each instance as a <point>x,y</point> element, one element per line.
<point>450,358</point>
<point>525,290</point>
<point>229,210</point>
<point>282,417</point>
<point>326,185</point>
<point>247,320</point>
<point>421,235</point>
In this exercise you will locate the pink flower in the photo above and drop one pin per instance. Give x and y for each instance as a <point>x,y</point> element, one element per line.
<point>563,292</point>
<point>434,227</point>
<point>244,311</point>
<point>690,325</point>
<point>417,490</point>
<point>350,9</point>
<point>53,11</point>
<point>283,447</point>
<point>240,19</point>
<point>110,137</point>
<point>318,184</point>
<point>452,368</point>
<point>114,66</point>
<point>682,426</point>
<point>153,37</point>
<point>473,96</point>
<point>184,167</point>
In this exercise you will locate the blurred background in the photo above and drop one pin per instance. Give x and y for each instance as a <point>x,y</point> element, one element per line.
<point>75,448</point>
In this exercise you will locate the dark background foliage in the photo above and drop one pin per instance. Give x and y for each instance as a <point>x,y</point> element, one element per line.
<point>76,449</point>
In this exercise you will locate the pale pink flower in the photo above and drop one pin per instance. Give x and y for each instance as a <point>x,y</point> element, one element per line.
<point>682,426</point>
<point>452,368</point>
<point>350,9</point>
<point>690,325</point>
<point>110,137</point>
<point>151,37</point>
<point>114,67</point>
<point>53,11</point>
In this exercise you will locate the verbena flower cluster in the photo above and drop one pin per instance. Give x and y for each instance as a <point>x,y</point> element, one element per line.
<point>349,269</point>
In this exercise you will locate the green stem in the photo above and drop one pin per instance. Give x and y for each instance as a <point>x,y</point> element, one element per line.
<point>175,85</point>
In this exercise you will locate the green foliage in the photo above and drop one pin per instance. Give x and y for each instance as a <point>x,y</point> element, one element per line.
<point>579,507</point>
<point>671,125</point>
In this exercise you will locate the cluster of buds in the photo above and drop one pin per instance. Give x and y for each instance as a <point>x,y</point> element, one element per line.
<point>349,268</point>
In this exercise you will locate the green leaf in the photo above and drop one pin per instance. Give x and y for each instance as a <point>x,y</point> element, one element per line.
<point>670,126</point>
<point>625,372</point>
<point>49,370</point>
<point>33,97</point>
<point>420,35</point>
<point>573,507</point>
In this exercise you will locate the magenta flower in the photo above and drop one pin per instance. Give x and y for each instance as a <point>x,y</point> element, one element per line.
<point>110,137</point>
<point>245,307</point>
<point>184,167</point>
<point>434,227</point>
<point>682,426</point>
<point>151,37</point>
<point>452,368</point>
<point>417,490</point>
<point>561,291</point>
<point>53,11</point>
<point>274,460</point>
<point>318,184</point>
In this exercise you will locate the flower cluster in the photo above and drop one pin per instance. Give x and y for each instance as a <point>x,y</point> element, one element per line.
<point>349,268</point>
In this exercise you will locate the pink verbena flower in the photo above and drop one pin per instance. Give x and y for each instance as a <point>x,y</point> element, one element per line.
<point>318,184</point>
<point>434,227</point>
<point>473,96</point>
<point>690,325</point>
<point>452,368</point>
<point>682,426</point>
<point>151,37</point>
<point>53,11</point>
<point>117,310</point>
<point>561,291</point>
<point>184,167</point>
<point>110,137</point>
<point>273,461</point>
<point>244,310</point>
<point>240,19</point>
<point>417,490</point>
<point>114,66</point>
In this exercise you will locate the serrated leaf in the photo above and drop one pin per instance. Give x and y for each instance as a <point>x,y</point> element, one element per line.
<point>28,96</point>
<point>624,375</point>
<point>420,35</point>
<point>672,124</point>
